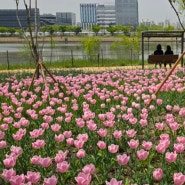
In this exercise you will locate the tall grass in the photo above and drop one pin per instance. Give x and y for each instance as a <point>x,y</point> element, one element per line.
<point>77,63</point>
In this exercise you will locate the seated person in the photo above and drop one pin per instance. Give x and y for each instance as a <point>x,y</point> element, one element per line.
<point>168,52</point>
<point>158,51</point>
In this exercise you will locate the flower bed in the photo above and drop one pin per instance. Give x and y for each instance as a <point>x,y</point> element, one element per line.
<point>99,131</point>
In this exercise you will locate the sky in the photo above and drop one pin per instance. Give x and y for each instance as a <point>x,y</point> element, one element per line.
<point>149,10</point>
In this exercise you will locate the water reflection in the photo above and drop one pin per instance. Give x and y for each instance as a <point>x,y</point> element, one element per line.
<point>60,52</point>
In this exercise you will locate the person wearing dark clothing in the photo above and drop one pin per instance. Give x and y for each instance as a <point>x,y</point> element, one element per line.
<point>158,51</point>
<point>168,52</point>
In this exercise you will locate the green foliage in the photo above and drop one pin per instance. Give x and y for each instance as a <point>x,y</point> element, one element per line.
<point>127,29</point>
<point>3,30</point>
<point>96,29</point>
<point>91,46</point>
<point>112,29</point>
<point>76,29</point>
<point>168,28</point>
<point>128,43</point>
<point>62,29</point>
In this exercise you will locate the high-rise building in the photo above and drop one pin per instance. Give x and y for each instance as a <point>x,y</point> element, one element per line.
<point>66,18</point>
<point>127,12</point>
<point>47,19</point>
<point>8,18</point>
<point>88,15</point>
<point>105,16</point>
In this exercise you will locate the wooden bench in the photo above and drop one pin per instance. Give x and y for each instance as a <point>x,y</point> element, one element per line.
<point>161,59</point>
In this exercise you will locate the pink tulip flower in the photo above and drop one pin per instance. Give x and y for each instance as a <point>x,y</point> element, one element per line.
<point>45,125</point>
<point>45,162</point>
<point>158,174</point>
<point>102,132</point>
<point>181,139</point>
<point>80,122</point>
<point>142,154</point>
<point>9,162</point>
<point>117,134</point>
<point>38,144</point>
<point>113,148</point>
<point>161,147</point>
<point>83,137</point>
<point>179,147</point>
<point>131,133</point>
<point>143,122</point>
<point>79,143</point>
<point>89,169</point>
<point>16,150</point>
<point>35,159</point>
<point>159,101</point>
<point>123,159</point>
<point>17,179</point>
<point>133,143</point>
<point>113,181</point>
<point>2,134</point>
<point>178,178</point>
<point>133,121</point>
<point>174,126</point>
<point>171,157</point>
<point>83,178</point>
<point>159,126</point>
<point>36,133</point>
<point>61,156</point>
<point>51,180</point>
<point>33,177</point>
<point>62,167</point>
<point>7,174</point>
<point>55,127</point>
<point>101,145</point>
<point>147,145</point>
<point>4,127</point>
<point>2,144</point>
<point>70,141</point>
<point>81,153</point>
<point>67,134</point>
<point>164,137</point>
<point>59,138</point>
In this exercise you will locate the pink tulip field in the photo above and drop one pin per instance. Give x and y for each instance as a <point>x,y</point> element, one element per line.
<point>97,130</point>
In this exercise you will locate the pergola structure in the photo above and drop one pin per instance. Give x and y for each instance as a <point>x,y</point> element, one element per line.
<point>162,34</point>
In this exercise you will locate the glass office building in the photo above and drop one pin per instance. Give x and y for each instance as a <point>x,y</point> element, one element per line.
<point>127,12</point>
<point>88,15</point>
<point>47,19</point>
<point>8,18</point>
<point>66,18</point>
<point>105,16</point>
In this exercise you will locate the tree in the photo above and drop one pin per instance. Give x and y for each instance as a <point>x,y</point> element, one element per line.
<point>32,42</point>
<point>3,30</point>
<point>126,29</point>
<point>96,29</point>
<point>76,29</point>
<point>91,46</point>
<point>178,7</point>
<point>62,29</point>
<point>112,29</point>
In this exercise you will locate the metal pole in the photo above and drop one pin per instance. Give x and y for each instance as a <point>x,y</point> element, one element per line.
<point>142,51</point>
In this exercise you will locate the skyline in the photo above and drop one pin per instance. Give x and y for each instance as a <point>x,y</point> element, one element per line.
<point>149,10</point>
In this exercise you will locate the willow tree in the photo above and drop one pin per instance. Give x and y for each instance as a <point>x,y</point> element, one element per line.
<point>178,7</point>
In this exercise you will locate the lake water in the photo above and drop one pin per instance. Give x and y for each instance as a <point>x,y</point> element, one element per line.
<point>67,51</point>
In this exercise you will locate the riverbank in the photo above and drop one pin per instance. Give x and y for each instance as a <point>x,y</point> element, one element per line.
<point>59,39</point>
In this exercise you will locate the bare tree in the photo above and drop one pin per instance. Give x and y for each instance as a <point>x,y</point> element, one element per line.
<point>32,42</point>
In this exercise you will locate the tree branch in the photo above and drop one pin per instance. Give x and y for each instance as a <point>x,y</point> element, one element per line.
<point>176,12</point>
